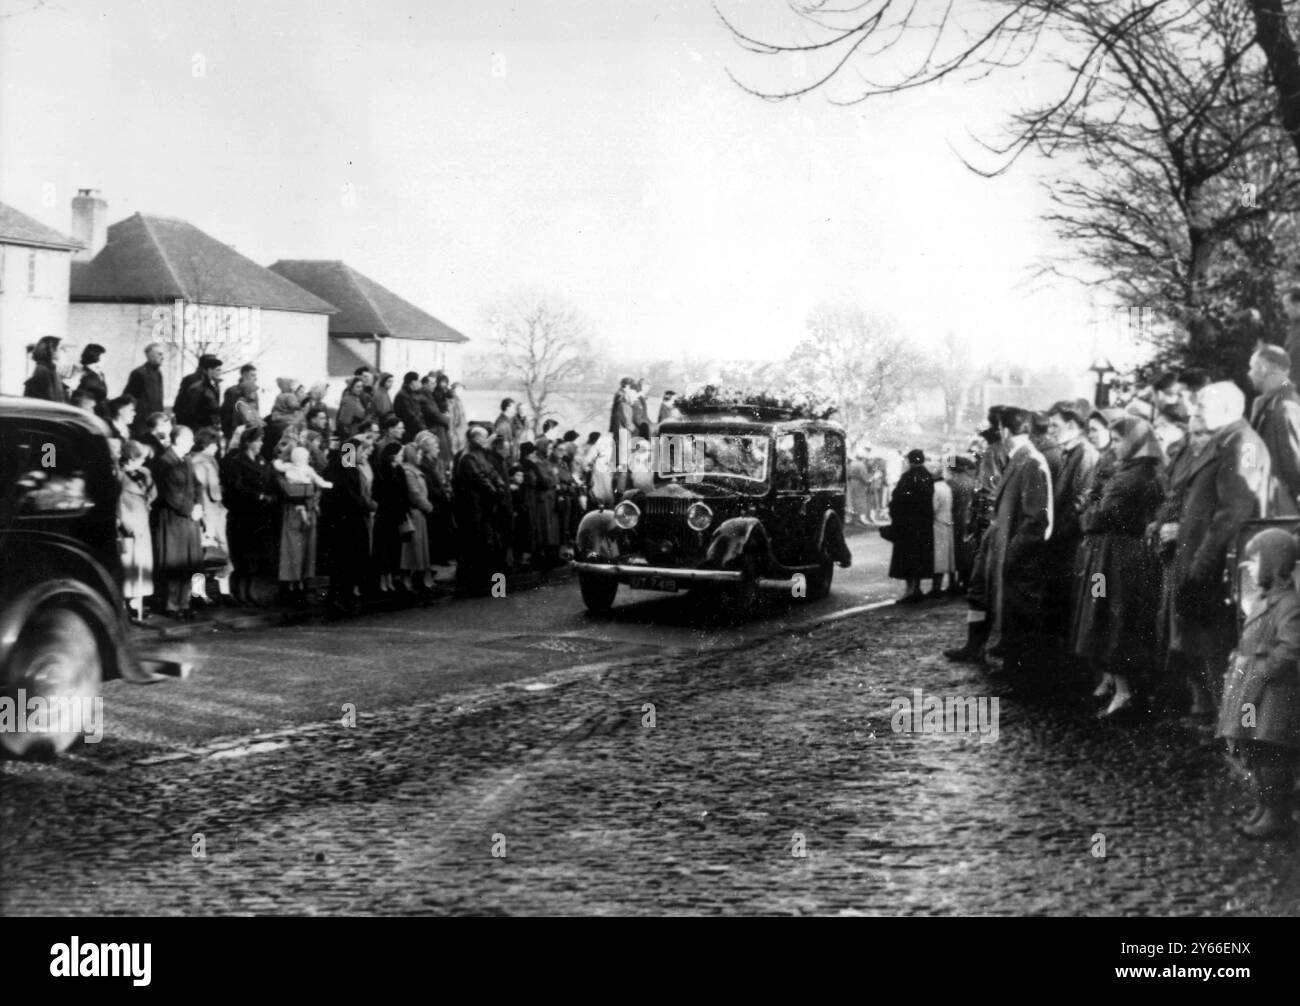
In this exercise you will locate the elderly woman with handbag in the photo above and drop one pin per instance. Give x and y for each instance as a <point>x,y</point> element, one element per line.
<point>216,550</point>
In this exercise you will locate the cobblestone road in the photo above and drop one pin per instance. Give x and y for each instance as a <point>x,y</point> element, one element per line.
<point>771,781</point>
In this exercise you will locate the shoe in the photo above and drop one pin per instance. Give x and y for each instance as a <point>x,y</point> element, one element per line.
<point>1118,707</point>
<point>973,651</point>
<point>1270,824</point>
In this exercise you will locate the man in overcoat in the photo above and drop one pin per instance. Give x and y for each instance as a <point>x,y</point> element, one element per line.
<point>479,493</point>
<point>1022,524</point>
<point>145,385</point>
<point>1067,421</point>
<point>1275,416</point>
<point>1227,485</point>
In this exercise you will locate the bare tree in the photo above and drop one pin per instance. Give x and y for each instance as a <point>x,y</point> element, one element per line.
<point>541,343</point>
<point>954,373</point>
<point>857,361</point>
<point>875,47</point>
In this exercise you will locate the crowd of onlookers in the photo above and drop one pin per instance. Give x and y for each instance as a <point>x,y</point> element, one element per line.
<point>1098,541</point>
<point>221,493</point>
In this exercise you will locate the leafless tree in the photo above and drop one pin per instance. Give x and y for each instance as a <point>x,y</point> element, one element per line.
<point>858,361</point>
<point>541,343</point>
<point>875,47</point>
<point>955,374</point>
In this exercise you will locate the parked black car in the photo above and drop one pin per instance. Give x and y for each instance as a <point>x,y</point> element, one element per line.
<point>63,627</point>
<point>750,499</point>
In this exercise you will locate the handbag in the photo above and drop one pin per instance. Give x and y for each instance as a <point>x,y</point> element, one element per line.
<point>215,558</point>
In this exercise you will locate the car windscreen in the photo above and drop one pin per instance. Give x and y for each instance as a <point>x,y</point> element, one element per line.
<point>717,455</point>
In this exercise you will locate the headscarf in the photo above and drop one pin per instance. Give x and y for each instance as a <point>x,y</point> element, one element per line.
<point>1133,438</point>
<point>1277,551</point>
<point>411,454</point>
<point>285,384</point>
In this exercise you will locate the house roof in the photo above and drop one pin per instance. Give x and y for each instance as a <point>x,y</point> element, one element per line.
<point>151,259</point>
<point>18,228</point>
<point>365,307</point>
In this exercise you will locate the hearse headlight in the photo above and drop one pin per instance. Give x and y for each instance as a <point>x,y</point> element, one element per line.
<point>626,515</point>
<point>699,517</point>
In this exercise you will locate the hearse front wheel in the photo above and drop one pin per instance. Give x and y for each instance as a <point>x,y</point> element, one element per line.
<point>57,658</point>
<point>597,592</point>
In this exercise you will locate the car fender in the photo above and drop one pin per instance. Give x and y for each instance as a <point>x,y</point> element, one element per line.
<point>831,541</point>
<point>733,537</point>
<point>598,535</point>
<point>119,660</point>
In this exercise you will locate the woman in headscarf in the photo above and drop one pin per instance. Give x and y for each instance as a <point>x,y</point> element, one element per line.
<point>381,402</point>
<point>1260,717</point>
<point>415,548</point>
<point>45,382</point>
<point>1117,580</point>
<point>352,409</point>
<point>439,520</point>
<point>911,515</point>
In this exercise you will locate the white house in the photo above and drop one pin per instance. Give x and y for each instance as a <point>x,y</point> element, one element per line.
<point>35,261</point>
<point>160,279</point>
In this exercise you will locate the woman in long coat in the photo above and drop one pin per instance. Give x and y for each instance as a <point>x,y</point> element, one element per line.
<point>857,507</point>
<point>911,515</point>
<point>390,512</point>
<point>133,504</point>
<point>177,542</point>
<point>1261,701</point>
<point>1117,580</point>
<point>439,520</point>
<point>945,552</point>
<point>299,520</point>
<point>459,426</point>
<point>207,474</point>
<point>961,481</point>
<point>415,550</point>
<point>348,510</point>
<point>246,493</point>
<point>352,410</point>
<point>539,495</point>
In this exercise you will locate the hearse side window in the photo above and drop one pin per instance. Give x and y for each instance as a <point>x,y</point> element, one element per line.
<point>46,473</point>
<point>825,459</point>
<point>785,466</point>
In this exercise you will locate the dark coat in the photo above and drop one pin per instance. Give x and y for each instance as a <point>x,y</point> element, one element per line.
<point>45,383</point>
<point>1227,485</point>
<point>1276,418</point>
<point>1022,520</point>
<point>441,522</point>
<point>178,542</point>
<point>93,383</point>
<point>911,514</point>
<point>482,504</point>
<point>964,538</point>
<point>1116,577</point>
<point>246,490</point>
<point>352,413</point>
<point>1265,673</point>
<point>1175,476</point>
<point>198,403</point>
<point>145,385</point>
<point>539,495</point>
<point>406,405</point>
<point>437,417</point>
<point>346,509</point>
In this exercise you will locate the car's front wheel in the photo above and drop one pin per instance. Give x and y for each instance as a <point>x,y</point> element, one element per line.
<point>597,591</point>
<point>56,659</point>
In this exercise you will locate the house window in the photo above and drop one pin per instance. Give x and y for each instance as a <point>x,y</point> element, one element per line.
<point>31,272</point>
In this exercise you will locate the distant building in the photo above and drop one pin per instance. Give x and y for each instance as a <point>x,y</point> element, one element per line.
<point>35,261</point>
<point>373,325</point>
<point>160,279</point>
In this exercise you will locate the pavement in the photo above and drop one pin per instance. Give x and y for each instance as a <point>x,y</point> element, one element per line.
<point>662,760</point>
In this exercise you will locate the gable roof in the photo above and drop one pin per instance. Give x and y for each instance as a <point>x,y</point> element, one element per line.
<point>17,228</point>
<point>365,307</point>
<point>154,259</point>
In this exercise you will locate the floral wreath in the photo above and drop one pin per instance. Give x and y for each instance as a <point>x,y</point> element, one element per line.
<point>716,397</point>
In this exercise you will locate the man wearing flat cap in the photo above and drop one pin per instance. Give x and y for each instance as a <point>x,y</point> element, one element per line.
<point>198,403</point>
<point>1275,416</point>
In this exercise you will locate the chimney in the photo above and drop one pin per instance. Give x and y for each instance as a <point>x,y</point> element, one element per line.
<point>89,223</point>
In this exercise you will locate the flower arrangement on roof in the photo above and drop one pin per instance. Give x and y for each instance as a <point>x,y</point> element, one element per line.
<point>764,404</point>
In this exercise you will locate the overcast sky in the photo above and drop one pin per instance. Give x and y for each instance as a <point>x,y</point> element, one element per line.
<point>592,148</point>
